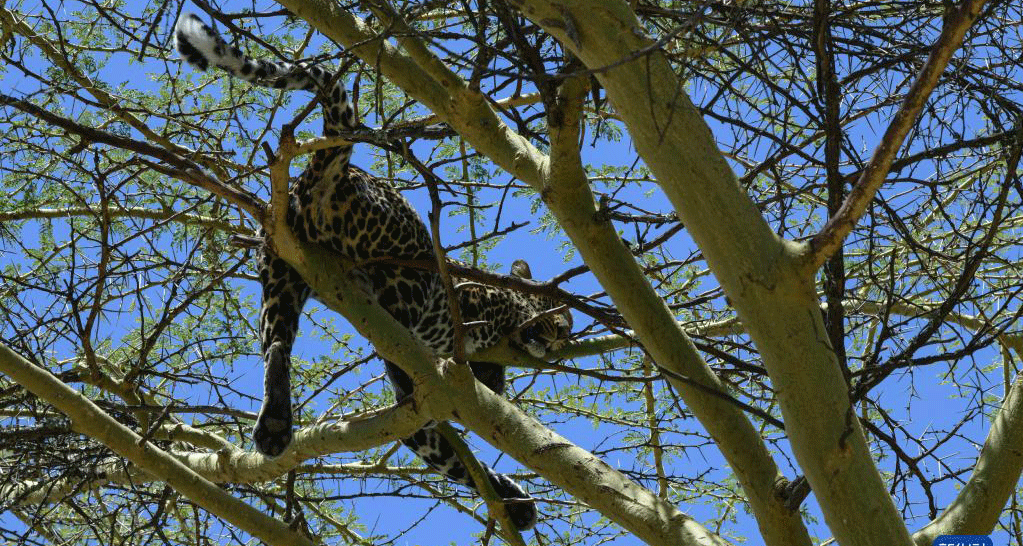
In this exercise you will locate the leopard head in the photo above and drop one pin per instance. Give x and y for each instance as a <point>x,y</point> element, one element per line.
<point>549,328</point>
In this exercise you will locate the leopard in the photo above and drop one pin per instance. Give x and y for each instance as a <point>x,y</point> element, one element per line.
<point>367,220</point>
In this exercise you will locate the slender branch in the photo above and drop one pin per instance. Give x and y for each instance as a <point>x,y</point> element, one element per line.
<point>829,240</point>
<point>130,212</point>
<point>171,163</point>
<point>650,406</point>
<point>440,261</point>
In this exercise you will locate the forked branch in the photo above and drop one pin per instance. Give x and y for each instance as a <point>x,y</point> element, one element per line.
<point>829,240</point>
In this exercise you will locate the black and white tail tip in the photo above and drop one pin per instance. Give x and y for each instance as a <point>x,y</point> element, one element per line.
<point>196,42</point>
<point>203,48</point>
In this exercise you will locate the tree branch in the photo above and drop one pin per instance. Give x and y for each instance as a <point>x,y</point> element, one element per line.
<point>829,240</point>
<point>129,212</point>
<point>172,164</point>
<point>979,504</point>
<point>568,194</point>
<point>758,271</point>
<point>94,422</point>
<point>232,465</point>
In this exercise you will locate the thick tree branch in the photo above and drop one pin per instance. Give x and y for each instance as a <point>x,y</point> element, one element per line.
<point>979,504</point>
<point>568,194</point>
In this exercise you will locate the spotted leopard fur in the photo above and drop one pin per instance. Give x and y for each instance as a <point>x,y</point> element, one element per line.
<point>363,217</point>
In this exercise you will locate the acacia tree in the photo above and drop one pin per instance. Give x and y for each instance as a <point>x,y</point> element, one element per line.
<point>786,230</point>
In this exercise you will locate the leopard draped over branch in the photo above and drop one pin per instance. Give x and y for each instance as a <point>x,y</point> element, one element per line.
<point>362,217</point>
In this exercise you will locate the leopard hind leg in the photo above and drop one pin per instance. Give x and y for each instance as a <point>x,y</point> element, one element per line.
<point>435,450</point>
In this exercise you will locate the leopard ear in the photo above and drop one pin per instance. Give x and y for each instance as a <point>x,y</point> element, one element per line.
<point>520,269</point>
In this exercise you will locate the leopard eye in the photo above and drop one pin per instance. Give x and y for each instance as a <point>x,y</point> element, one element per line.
<point>530,332</point>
